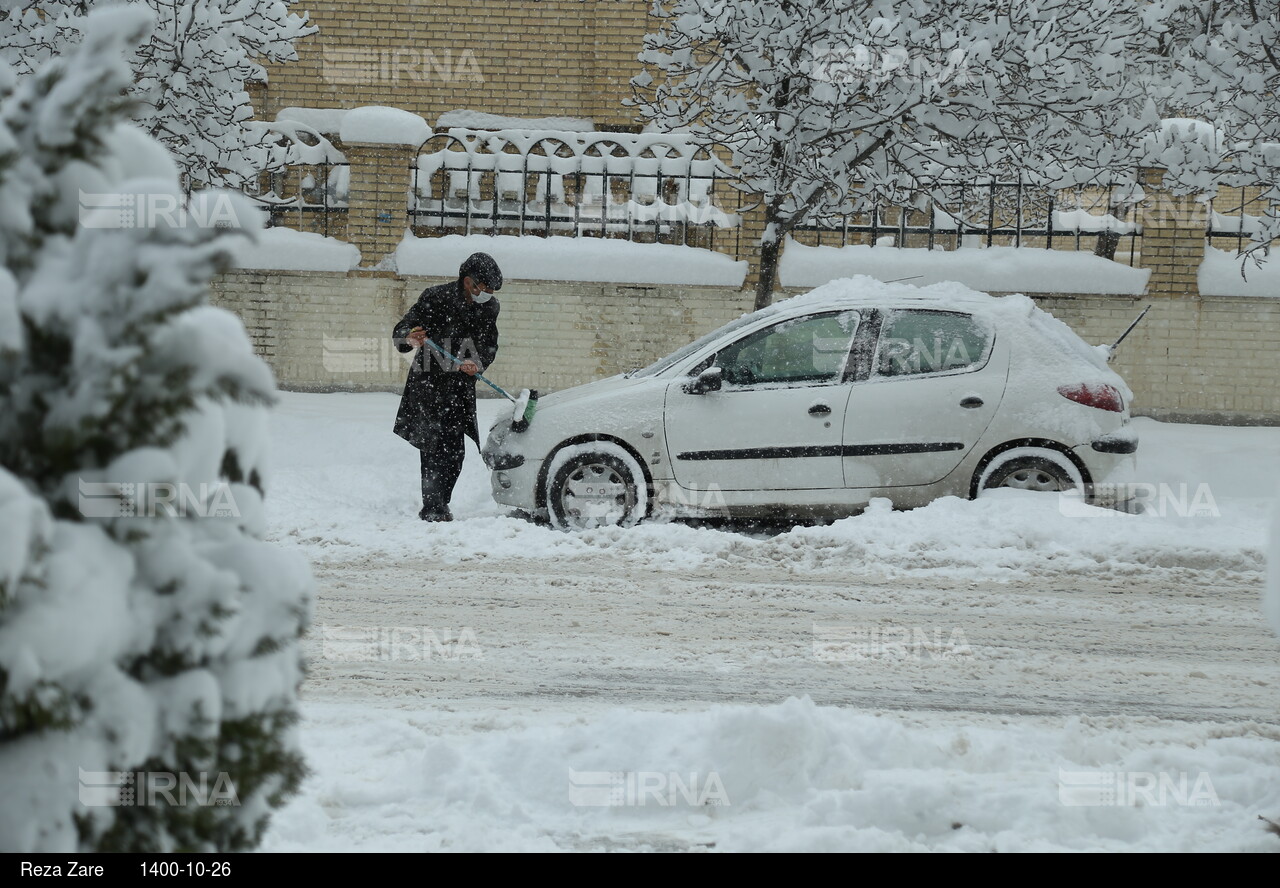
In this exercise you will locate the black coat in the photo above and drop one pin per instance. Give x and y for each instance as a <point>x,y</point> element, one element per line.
<point>439,397</point>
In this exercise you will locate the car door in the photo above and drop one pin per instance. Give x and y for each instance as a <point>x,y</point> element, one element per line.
<point>934,385</point>
<point>775,424</point>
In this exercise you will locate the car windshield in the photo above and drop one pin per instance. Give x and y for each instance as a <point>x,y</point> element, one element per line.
<point>681,353</point>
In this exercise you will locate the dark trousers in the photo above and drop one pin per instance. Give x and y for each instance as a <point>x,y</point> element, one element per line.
<point>441,460</point>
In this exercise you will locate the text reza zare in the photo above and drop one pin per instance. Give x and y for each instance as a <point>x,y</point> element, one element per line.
<point>73,869</point>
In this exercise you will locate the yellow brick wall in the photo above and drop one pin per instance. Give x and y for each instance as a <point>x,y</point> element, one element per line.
<point>513,57</point>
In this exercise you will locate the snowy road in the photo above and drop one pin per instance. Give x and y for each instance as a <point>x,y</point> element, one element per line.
<point>526,629</point>
<point>940,679</point>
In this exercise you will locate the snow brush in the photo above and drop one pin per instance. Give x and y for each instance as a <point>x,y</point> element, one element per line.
<point>525,406</point>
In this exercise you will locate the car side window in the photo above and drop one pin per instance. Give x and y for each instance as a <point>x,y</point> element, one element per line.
<point>811,349</point>
<point>916,343</point>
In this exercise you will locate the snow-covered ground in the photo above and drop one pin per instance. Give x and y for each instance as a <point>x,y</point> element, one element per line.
<point>1016,673</point>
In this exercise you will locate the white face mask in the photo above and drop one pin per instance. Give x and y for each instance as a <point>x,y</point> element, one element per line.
<point>480,297</point>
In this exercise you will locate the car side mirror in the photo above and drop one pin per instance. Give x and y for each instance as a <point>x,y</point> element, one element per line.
<point>708,380</point>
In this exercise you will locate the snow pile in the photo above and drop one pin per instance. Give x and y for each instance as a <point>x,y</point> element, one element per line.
<point>350,490</point>
<point>1271,597</point>
<point>1223,273</point>
<point>572,259</point>
<point>284,248</point>
<point>994,269</point>
<point>379,125</point>
<point>787,777</point>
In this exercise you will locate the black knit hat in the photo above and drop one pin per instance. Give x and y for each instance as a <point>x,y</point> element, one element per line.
<point>482,268</point>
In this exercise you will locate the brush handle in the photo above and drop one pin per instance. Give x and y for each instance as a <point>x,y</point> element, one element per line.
<point>491,385</point>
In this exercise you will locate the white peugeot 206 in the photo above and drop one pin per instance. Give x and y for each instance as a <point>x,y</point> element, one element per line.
<point>813,406</point>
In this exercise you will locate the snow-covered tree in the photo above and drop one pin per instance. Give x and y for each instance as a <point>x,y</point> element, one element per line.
<point>828,107</point>
<point>189,76</point>
<point>1222,69</point>
<point>146,627</point>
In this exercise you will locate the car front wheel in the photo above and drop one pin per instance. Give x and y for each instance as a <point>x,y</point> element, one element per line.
<point>598,484</point>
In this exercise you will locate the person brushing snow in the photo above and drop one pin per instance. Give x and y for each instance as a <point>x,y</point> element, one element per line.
<point>438,406</point>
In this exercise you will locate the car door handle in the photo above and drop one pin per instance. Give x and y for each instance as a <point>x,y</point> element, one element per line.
<point>819,410</point>
<point>971,402</point>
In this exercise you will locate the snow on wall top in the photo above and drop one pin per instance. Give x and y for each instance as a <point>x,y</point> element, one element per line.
<point>379,125</point>
<point>1220,275</point>
<point>286,249</point>
<point>998,269</point>
<point>325,120</point>
<point>604,260</point>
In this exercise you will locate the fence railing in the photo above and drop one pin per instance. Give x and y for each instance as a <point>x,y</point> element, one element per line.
<point>638,187</point>
<point>307,197</point>
<point>1242,220</point>
<point>989,214</point>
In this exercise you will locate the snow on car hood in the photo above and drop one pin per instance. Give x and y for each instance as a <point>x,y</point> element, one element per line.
<point>599,388</point>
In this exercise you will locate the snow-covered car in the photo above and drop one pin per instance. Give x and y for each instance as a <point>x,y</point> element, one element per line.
<point>815,405</point>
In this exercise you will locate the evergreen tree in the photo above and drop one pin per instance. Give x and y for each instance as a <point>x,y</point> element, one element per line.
<point>146,627</point>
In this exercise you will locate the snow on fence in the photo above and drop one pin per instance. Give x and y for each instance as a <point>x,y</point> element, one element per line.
<point>989,214</point>
<point>1238,225</point>
<point>648,187</point>
<point>310,192</point>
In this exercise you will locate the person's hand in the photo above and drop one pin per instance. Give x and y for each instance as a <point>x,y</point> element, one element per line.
<point>417,337</point>
<point>471,368</point>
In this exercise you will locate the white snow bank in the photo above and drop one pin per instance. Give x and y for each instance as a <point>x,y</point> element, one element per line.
<point>323,120</point>
<point>350,490</point>
<point>572,259</point>
<point>1220,275</point>
<point>286,249</point>
<point>793,776</point>
<point>994,269</point>
<point>1271,597</point>
<point>483,120</point>
<point>379,125</point>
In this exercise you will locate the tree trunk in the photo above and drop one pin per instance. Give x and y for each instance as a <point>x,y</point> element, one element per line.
<point>770,252</point>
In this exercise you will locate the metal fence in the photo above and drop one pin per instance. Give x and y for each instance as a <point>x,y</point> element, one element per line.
<point>646,188</point>
<point>307,197</point>
<point>950,215</point>
<point>1242,220</point>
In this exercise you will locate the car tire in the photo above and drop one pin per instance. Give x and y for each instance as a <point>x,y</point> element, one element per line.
<point>598,484</point>
<point>1040,473</point>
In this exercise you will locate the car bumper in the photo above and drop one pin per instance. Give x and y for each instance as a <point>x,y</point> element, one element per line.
<point>513,477</point>
<point>1111,460</point>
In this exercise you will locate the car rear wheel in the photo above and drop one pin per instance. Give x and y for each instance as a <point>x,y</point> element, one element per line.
<point>596,485</point>
<point>1040,473</point>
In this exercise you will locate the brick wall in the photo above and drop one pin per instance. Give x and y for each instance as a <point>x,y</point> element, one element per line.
<point>322,331</point>
<point>1199,359</point>
<point>514,57</point>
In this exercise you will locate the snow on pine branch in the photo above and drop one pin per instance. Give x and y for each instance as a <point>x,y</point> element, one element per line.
<point>146,626</point>
<point>189,77</point>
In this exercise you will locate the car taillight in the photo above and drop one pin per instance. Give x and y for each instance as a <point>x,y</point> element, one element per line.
<point>1104,397</point>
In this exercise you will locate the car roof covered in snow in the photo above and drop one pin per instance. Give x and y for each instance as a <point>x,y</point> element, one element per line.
<point>862,290</point>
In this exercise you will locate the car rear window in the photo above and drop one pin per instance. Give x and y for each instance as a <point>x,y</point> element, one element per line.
<point>916,342</point>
